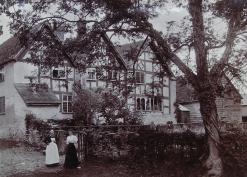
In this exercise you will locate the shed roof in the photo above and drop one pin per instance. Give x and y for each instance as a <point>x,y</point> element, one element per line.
<point>40,97</point>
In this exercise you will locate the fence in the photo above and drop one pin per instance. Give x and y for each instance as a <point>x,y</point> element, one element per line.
<point>114,141</point>
<point>147,141</point>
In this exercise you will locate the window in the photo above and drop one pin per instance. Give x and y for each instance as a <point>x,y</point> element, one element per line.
<point>58,73</point>
<point>1,30</point>
<point>149,104</point>
<point>91,74</point>
<point>67,103</point>
<point>2,105</point>
<point>1,74</point>
<point>139,77</point>
<point>244,119</point>
<point>112,75</point>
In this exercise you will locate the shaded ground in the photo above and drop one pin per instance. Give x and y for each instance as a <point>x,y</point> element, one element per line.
<point>18,160</point>
<point>109,169</point>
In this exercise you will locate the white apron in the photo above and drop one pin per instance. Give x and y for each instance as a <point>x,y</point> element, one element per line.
<point>52,156</point>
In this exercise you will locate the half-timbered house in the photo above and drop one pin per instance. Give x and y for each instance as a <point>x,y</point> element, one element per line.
<point>48,93</point>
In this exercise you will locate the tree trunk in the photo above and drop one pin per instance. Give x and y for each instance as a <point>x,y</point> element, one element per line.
<point>211,122</point>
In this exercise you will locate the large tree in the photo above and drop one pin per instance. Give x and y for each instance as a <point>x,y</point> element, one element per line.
<point>90,19</point>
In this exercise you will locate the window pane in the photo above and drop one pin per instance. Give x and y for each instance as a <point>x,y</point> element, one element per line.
<point>148,104</point>
<point>1,77</point>
<point>142,104</point>
<point>155,104</point>
<point>69,98</point>
<point>138,102</point>
<point>55,73</point>
<point>152,104</point>
<point>65,97</point>
<point>69,107</point>
<point>61,73</point>
<point>139,77</point>
<point>65,107</point>
<point>160,104</point>
<point>142,77</point>
<point>2,104</point>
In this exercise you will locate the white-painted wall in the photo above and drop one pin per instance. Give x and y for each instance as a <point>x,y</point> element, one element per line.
<point>8,121</point>
<point>12,123</point>
<point>22,70</point>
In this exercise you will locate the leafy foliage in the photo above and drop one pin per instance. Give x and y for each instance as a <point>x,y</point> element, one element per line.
<point>85,104</point>
<point>109,105</point>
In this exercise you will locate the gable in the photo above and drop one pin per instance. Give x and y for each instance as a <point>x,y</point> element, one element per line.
<point>143,52</point>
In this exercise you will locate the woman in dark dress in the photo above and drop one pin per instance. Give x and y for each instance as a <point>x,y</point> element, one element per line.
<point>71,159</point>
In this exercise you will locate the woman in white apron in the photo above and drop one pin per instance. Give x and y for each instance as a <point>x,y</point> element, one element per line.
<point>51,154</point>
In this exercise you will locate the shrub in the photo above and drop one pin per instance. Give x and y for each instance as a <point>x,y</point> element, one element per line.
<point>109,105</point>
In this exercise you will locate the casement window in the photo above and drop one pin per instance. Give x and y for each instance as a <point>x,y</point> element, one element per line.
<point>1,74</point>
<point>112,75</point>
<point>91,74</point>
<point>2,105</point>
<point>58,73</point>
<point>149,104</point>
<point>67,103</point>
<point>139,77</point>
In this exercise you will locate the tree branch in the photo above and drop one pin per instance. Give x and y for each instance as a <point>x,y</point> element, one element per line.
<point>65,19</point>
<point>216,46</point>
<point>218,68</point>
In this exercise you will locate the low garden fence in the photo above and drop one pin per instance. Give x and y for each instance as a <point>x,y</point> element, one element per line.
<point>128,141</point>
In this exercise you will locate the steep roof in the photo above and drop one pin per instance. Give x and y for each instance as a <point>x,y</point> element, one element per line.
<point>122,49</point>
<point>11,50</point>
<point>143,45</point>
<point>40,97</point>
<point>114,50</point>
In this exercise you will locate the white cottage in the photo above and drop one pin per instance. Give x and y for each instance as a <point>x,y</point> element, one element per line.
<point>20,95</point>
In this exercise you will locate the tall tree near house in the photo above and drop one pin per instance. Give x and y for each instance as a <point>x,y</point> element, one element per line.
<point>131,18</point>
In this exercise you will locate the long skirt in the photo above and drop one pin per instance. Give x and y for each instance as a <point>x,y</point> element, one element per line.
<point>71,159</point>
<point>51,155</point>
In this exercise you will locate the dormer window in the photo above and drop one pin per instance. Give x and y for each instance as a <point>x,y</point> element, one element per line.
<point>1,74</point>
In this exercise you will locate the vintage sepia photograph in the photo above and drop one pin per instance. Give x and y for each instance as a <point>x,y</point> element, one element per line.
<point>123,88</point>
